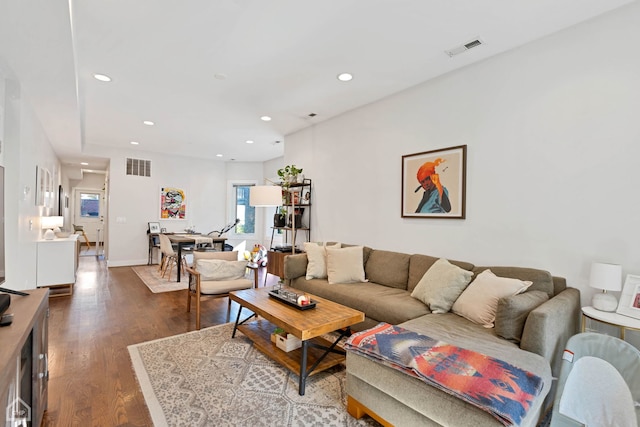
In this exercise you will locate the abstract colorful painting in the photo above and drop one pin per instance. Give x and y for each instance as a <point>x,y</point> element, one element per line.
<point>173,203</point>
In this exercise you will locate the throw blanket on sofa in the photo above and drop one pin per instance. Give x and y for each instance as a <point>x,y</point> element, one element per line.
<point>503,390</point>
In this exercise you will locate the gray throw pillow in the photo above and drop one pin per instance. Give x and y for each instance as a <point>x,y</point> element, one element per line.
<point>512,313</point>
<point>441,285</point>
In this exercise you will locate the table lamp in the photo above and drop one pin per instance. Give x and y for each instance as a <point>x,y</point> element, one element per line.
<point>607,277</point>
<point>49,223</point>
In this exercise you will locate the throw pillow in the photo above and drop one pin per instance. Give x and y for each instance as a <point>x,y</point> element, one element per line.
<point>217,269</point>
<point>512,313</point>
<point>479,301</point>
<point>345,265</point>
<point>317,259</point>
<point>441,285</point>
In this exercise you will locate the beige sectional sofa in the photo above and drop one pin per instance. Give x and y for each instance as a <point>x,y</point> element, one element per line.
<point>530,332</point>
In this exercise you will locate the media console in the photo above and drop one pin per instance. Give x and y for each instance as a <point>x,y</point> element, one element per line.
<point>24,371</point>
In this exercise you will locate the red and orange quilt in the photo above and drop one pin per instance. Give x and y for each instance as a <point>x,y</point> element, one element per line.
<point>495,386</point>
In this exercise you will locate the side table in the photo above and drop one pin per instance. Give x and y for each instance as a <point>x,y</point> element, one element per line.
<point>611,318</point>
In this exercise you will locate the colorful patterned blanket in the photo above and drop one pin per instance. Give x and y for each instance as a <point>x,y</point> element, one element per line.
<point>503,390</point>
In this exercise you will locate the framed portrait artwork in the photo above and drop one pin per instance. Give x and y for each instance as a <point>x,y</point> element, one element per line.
<point>629,304</point>
<point>434,183</point>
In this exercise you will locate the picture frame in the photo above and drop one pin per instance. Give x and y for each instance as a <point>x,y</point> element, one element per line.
<point>441,175</point>
<point>40,186</point>
<point>173,203</point>
<point>154,228</point>
<point>629,304</point>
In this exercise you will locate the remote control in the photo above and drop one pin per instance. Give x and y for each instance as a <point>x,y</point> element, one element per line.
<point>11,291</point>
<point>6,319</point>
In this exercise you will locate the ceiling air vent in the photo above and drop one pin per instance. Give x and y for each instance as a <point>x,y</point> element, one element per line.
<point>138,167</point>
<point>465,47</point>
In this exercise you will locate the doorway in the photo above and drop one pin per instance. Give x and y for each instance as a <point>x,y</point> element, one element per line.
<point>88,212</point>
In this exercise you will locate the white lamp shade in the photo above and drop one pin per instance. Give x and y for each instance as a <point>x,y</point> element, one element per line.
<point>50,222</point>
<point>607,277</point>
<point>265,195</point>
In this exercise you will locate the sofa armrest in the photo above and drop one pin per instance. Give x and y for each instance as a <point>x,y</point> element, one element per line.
<point>295,266</point>
<point>549,326</point>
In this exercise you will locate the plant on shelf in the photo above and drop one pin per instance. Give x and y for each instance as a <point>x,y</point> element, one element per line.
<point>289,174</point>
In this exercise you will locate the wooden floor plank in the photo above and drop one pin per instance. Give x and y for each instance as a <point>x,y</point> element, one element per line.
<point>91,381</point>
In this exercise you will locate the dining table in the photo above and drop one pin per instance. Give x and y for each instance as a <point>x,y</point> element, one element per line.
<point>182,240</point>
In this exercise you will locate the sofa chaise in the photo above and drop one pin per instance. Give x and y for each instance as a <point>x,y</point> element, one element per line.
<point>529,329</point>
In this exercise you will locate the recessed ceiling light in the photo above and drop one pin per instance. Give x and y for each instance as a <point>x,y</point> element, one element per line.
<point>84,163</point>
<point>249,141</point>
<point>345,77</point>
<point>265,118</point>
<point>218,155</point>
<point>102,77</point>
<point>134,143</point>
<point>148,123</point>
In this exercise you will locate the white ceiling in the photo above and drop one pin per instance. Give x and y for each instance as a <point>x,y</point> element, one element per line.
<point>280,58</point>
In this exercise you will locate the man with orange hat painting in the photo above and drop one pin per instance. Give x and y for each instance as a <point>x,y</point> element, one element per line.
<point>436,197</point>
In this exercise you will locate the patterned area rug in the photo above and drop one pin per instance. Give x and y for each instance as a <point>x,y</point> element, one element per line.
<point>150,275</point>
<point>207,378</point>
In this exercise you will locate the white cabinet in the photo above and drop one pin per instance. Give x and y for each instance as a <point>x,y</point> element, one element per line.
<point>57,261</point>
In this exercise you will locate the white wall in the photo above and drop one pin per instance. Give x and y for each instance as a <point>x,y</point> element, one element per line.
<point>553,140</point>
<point>24,145</point>
<point>134,201</point>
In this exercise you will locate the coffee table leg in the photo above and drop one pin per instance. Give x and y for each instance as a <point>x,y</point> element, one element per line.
<point>235,327</point>
<point>303,368</point>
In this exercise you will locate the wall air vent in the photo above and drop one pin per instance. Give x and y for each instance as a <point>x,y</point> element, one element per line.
<point>465,47</point>
<point>138,167</point>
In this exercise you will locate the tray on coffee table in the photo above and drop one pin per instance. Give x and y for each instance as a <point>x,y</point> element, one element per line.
<point>291,298</point>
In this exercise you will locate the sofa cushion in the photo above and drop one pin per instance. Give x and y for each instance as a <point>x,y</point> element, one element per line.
<point>542,280</point>
<point>512,312</point>
<point>345,265</point>
<point>388,268</point>
<point>479,301</point>
<point>217,269</point>
<point>441,285</point>
<point>216,287</point>
<point>419,264</point>
<point>317,259</point>
<point>378,302</point>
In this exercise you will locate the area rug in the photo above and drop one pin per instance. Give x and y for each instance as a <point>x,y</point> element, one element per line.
<point>207,378</point>
<point>150,275</point>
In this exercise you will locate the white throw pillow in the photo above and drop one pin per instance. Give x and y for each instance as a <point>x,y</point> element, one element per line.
<point>441,285</point>
<point>345,265</point>
<point>317,259</point>
<point>218,269</point>
<point>479,301</point>
<point>595,394</point>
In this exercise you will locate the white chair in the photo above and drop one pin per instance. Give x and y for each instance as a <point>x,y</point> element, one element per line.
<point>599,383</point>
<point>169,256</point>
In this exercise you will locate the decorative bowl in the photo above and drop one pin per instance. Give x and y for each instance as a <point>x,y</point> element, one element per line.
<point>63,234</point>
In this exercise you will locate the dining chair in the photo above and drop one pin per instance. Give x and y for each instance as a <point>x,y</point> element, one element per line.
<point>79,229</point>
<point>215,274</point>
<point>169,257</point>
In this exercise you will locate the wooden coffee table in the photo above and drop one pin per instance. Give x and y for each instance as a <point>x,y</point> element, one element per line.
<point>307,325</point>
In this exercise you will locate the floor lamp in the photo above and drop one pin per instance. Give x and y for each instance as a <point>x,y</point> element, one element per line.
<point>265,196</point>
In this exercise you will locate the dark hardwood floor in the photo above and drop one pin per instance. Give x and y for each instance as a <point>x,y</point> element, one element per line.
<point>91,381</point>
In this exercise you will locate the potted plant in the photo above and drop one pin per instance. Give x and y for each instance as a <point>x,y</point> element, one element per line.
<point>280,218</point>
<point>289,174</point>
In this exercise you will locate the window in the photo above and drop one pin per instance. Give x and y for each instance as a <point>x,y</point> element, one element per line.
<point>245,213</point>
<point>89,205</point>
